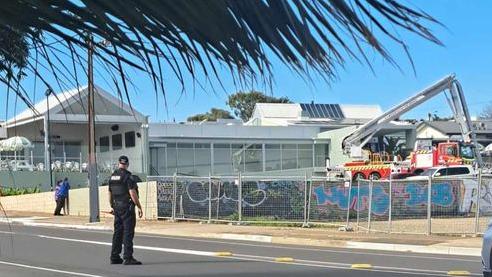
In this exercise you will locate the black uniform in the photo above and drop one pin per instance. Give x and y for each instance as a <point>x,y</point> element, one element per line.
<point>124,213</point>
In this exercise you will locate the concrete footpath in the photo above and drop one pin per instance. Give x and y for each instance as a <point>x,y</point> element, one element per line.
<point>326,237</point>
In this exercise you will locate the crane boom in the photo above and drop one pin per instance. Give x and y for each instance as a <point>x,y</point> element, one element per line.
<point>353,143</point>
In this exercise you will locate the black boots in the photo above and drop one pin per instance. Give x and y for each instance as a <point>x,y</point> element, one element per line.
<point>116,261</point>
<point>131,261</point>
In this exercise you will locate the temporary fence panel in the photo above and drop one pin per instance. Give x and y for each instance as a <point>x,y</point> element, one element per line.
<point>193,198</point>
<point>379,192</point>
<point>409,206</point>
<point>330,200</point>
<point>165,195</point>
<point>225,199</point>
<point>485,203</point>
<point>277,199</point>
<point>398,206</point>
<point>362,205</point>
<point>452,205</point>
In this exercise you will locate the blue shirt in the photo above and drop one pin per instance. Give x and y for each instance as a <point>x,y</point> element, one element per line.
<point>65,186</point>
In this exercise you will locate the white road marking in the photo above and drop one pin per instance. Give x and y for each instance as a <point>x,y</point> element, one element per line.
<point>151,248</point>
<point>309,263</point>
<point>478,261</point>
<point>50,269</point>
<point>369,251</point>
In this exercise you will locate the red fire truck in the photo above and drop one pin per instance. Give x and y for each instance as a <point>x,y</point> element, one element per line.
<point>445,153</point>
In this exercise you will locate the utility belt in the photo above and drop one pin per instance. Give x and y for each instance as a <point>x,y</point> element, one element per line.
<point>120,204</point>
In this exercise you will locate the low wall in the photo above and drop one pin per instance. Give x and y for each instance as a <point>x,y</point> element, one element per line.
<point>41,179</point>
<point>79,201</point>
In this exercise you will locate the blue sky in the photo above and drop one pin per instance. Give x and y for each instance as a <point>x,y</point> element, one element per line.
<point>467,52</point>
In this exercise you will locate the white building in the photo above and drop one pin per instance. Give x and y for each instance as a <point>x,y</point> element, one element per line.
<point>119,130</point>
<point>279,138</point>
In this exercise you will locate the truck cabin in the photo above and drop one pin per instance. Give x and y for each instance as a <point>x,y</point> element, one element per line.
<point>454,153</point>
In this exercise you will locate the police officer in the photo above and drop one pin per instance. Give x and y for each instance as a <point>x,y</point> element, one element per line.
<point>123,197</point>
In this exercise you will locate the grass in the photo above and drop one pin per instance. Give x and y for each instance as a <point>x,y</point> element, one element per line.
<point>9,191</point>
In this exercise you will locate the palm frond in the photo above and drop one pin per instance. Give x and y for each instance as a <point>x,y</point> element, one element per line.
<point>194,36</point>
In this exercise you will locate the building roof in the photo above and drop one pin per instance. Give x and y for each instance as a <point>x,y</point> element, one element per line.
<point>71,105</point>
<point>277,110</point>
<point>283,114</point>
<point>361,111</point>
<point>452,127</point>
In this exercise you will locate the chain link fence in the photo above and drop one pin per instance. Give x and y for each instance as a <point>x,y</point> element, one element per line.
<point>484,206</point>
<point>461,205</point>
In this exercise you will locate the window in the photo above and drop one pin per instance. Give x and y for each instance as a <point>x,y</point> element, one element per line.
<point>305,155</point>
<point>104,144</point>
<point>237,152</point>
<point>117,141</point>
<point>73,149</point>
<point>253,157</point>
<point>272,157</point>
<point>186,158</point>
<point>222,159</point>
<point>202,159</point>
<point>450,171</point>
<point>171,159</point>
<point>441,172</point>
<point>458,171</point>
<point>322,154</point>
<point>289,156</point>
<point>130,139</point>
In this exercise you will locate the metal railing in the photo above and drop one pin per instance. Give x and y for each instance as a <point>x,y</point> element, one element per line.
<point>420,206</point>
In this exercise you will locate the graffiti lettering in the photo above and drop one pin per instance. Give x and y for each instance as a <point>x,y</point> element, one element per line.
<point>442,195</point>
<point>415,195</point>
<point>197,192</point>
<point>337,196</point>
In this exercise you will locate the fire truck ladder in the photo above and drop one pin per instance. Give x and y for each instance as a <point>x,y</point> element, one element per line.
<point>353,143</point>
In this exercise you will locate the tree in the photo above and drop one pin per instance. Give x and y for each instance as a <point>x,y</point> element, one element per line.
<point>393,145</point>
<point>243,103</point>
<point>197,37</point>
<point>13,63</point>
<point>212,115</point>
<point>487,112</point>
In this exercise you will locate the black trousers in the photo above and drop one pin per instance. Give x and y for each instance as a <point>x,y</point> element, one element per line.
<point>59,205</point>
<point>124,231</point>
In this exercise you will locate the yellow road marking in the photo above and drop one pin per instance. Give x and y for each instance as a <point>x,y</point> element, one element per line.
<point>284,260</point>
<point>223,254</point>
<point>459,273</point>
<point>361,266</point>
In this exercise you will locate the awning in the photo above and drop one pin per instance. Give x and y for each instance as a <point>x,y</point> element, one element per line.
<point>15,144</point>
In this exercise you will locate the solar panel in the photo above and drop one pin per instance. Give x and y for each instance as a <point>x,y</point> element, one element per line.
<point>332,111</point>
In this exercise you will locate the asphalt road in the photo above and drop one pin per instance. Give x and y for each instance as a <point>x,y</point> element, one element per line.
<point>39,251</point>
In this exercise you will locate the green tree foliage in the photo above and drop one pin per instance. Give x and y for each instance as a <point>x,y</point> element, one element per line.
<point>487,112</point>
<point>243,103</point>
<point>393,145</point>
<point>212,115</point>
<point>16,42</point>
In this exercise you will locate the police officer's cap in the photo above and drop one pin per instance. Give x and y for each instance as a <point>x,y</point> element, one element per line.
<point>123,160</point>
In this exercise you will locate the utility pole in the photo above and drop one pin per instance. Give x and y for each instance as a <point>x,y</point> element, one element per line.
<point>93,186</point>
<point>47,134</point>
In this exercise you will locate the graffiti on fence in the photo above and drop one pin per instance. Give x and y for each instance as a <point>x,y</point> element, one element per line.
<point>197,192</point>
<point>442,195</point>
<point>470,191</point>
<point>338,196</point>
<point>413,195</point>
<point>276,199</point>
